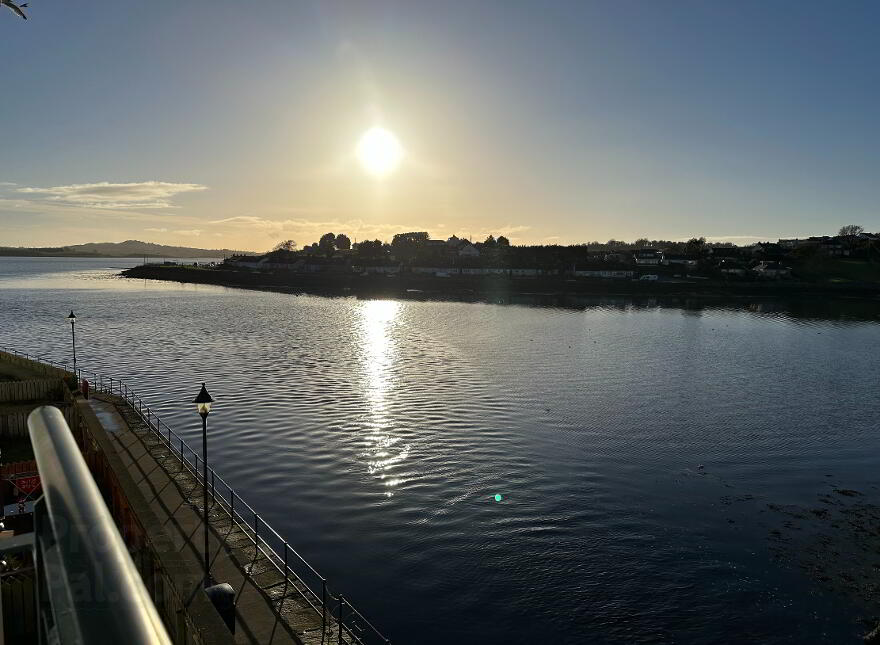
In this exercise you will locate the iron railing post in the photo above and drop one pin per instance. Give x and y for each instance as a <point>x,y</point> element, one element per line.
<point>341,605</point>
<point>323,607</point>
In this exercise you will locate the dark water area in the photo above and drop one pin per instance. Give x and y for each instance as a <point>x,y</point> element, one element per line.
<point>643,448</point>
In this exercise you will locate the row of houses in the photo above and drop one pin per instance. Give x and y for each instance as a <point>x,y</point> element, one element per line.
<point>831,246</point>
<point>727,268</point>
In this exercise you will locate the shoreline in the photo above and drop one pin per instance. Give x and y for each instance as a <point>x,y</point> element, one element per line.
<point>500,289</point>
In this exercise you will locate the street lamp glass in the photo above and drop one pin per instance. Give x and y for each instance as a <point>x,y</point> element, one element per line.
<point>71,317</point>
<point>203,401</point>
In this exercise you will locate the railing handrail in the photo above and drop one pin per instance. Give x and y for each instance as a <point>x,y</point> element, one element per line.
<point>177,447</point>
<point>87,543</point>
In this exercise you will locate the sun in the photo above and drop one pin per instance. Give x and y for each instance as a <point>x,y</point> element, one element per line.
<point>379,152</point>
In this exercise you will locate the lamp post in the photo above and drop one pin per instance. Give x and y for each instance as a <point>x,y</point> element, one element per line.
<point>72,319</point>
<point>203,402</point>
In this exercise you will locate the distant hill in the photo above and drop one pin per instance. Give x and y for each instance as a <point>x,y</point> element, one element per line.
<point>127,249</point>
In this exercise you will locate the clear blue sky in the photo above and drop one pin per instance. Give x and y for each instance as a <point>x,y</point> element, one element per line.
<point>549,120</point>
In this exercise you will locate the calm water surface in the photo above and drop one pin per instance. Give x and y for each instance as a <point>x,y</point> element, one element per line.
<point>375,434</point>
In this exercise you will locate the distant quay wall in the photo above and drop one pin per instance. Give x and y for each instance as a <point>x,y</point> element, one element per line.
<point>485,287</point>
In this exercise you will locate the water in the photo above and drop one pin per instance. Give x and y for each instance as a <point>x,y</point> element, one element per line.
<point>375,436</point>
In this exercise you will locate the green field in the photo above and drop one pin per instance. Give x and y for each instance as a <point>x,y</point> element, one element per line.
<point>839,270</point>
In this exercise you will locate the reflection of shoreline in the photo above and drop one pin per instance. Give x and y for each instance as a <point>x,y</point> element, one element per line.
<point>794,300</point>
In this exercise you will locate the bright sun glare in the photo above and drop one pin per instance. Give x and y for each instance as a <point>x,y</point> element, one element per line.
<point>379,152</point>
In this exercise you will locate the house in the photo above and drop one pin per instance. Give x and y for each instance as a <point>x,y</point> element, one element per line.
<point>619,257</point>
<point>732,267</point>
<point>468,250</point>
<point>648,257</point>
<point>833,247</point>
<point>772,270</point>
<point>724,252</point>
<point>769,249</point>
<point>685,260</point>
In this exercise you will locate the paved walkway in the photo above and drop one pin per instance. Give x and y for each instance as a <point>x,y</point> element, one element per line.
<point>266,605</point>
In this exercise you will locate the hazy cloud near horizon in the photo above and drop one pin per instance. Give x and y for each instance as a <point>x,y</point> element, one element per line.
<point>144,194</point>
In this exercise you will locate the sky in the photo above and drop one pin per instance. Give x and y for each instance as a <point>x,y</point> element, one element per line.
<point>234,124</point>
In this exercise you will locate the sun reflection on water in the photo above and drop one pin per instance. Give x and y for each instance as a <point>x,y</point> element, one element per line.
<point>383,450</point>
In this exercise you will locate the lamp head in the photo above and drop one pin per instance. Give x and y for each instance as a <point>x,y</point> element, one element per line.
<point>72,317</point>
<point>203,401</point>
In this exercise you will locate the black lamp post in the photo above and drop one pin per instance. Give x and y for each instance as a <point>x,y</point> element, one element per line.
<point>72,319</point>
<point>203,402</point>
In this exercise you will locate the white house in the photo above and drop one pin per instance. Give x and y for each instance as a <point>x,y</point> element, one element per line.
<point>648,257</point>
<point>772,270</point>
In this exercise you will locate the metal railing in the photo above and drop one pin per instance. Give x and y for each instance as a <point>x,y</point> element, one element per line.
<point>77,547</point>
<point>339,619</point>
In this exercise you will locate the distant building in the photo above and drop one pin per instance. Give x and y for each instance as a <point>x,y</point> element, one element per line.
<point>468,250</point>
<point>619,257</point>
<point>483,271</point>
<point>607,274</point>
<point>648,257</point>
<point>725,252</point>
<point>833,247</point>
<point>367,268</point>
<point>732,267</point>
<point>767,249</point>
<point>684,260</point>
<point>791,243</point>
<point>772,270</point>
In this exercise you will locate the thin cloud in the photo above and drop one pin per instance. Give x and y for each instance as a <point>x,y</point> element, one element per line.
<point>106,195</point>
<point>156,230</point>
<point>249,221</point>
<point>194,232</point>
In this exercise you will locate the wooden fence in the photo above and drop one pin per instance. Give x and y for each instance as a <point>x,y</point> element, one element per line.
<point>13,423</point>
<point>44,389</point>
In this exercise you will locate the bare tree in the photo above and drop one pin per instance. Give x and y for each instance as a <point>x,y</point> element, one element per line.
<point>850,230</point>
